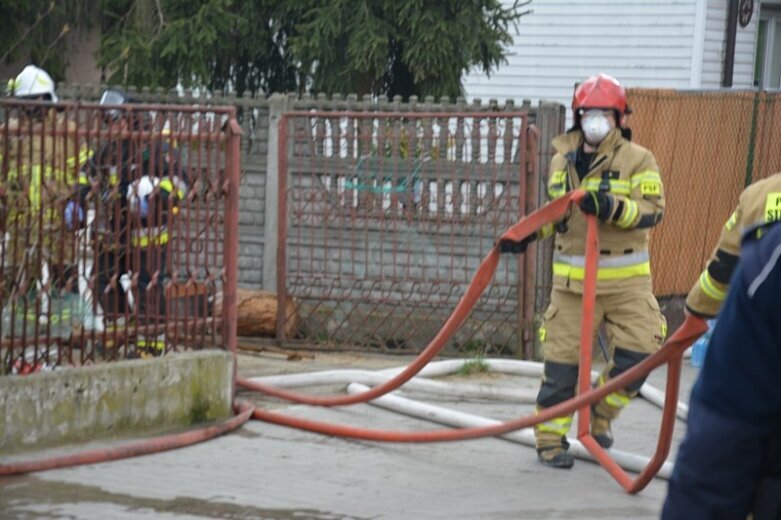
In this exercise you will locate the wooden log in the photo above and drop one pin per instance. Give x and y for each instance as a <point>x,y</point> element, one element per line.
<point>257,313</point>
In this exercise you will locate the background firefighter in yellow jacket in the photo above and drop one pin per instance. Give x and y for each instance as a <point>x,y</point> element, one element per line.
<point>760,203</point>
<point>40,157</point>
<point>625,193</point>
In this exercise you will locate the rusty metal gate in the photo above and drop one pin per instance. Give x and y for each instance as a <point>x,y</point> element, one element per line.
<point>384,218</point>
<point>118,231</point>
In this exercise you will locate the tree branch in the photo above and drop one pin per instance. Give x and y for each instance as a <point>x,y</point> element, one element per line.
<point>29,29</point>
<point>65,30</point>
<point>160,14</point>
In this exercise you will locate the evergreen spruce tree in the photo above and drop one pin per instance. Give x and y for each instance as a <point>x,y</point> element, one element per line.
<point>390,47</point>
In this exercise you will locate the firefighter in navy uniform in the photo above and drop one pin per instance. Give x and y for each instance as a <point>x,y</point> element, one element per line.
<point>140,184</point>
<point>625,192</point>
<point>759,203</point>
<point>729,464</point>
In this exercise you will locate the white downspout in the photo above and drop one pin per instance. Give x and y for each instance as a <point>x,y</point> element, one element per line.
<point>698,43</point>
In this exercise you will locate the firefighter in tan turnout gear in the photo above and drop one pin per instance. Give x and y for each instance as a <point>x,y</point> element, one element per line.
<point>625,193</point>
<point>40,156</point>
<point>759,204</point>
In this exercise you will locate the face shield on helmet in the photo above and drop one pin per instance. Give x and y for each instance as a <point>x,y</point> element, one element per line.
<point>113,115</point>
<point>113,97</point>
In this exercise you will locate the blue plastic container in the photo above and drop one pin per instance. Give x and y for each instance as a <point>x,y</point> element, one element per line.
<point>700,347</point>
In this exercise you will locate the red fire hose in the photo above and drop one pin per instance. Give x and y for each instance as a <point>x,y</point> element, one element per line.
<point>675,345</point>
<point>485,272</point>
<point>671,352</point>
<point>133,448</point>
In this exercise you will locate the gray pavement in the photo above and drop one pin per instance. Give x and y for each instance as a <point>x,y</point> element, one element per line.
<point>270,472</point>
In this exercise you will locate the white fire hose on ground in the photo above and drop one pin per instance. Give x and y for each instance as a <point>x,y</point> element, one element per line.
<point>358,379</point>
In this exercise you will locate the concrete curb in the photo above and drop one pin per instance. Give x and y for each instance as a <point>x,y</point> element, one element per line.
<point>114,399</point>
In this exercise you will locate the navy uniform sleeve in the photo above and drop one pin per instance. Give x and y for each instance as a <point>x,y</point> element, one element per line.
<point>736,401</point>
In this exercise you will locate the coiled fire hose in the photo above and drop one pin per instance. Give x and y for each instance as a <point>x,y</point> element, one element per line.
<point>671,352</point>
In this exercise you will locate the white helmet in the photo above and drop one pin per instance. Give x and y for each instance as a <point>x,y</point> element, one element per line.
<point>140,189</point>
<point>32,82</point>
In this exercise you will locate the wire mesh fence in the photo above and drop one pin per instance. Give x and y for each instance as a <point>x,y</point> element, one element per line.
<point>385,219</point>
<point>410,180</point>
<point>709,146</point>
<point>117,231</point>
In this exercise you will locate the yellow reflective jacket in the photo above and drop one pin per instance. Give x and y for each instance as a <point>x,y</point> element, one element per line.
<point>630,174</point>
<point>760,203</point>
<point>39,165</point>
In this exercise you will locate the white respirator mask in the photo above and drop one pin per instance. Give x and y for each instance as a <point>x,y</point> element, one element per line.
<point>595,125</point>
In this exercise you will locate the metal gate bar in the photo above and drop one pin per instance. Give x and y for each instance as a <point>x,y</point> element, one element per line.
<point>118,231</point>
<point>383,218</point>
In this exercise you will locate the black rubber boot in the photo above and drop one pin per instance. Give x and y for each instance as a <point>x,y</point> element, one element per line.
<point>601,430</point>
<point>556,456</point>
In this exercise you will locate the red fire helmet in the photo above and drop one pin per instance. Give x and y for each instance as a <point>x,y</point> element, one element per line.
<point>600,91</point>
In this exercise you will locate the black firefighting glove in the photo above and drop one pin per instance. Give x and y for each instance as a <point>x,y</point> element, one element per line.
<point>597,203</point>
<point>511,246</point>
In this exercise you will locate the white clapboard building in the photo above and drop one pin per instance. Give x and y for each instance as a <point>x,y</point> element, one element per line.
<point>680,44</point>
